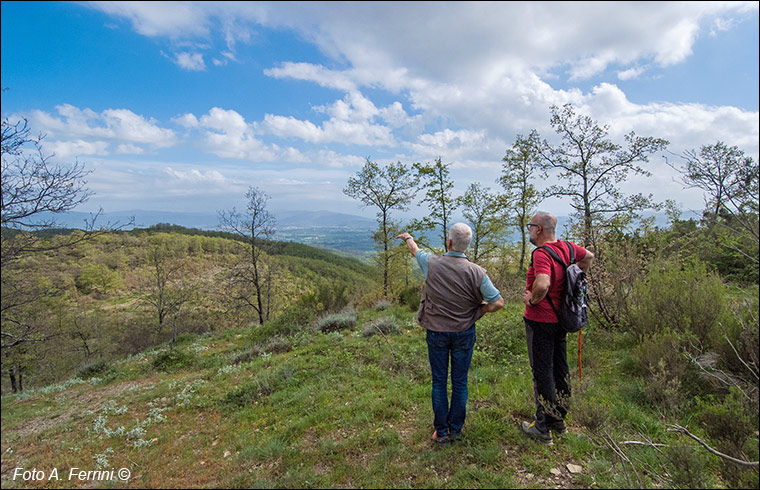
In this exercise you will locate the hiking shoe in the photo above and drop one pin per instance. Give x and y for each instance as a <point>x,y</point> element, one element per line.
<point>558,428</point>
<point>532,431</point>
<point>441,440</point>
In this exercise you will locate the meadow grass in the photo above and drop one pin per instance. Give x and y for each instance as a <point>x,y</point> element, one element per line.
<point>339,410</point>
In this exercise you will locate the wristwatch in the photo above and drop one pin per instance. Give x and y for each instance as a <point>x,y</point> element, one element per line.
<point>408,237</point>
<point>530,302</point>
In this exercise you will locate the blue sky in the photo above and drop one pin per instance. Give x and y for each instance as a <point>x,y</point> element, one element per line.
<point>182,105</point>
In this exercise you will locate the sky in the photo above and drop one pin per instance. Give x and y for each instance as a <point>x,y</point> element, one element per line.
<point>181,106</point>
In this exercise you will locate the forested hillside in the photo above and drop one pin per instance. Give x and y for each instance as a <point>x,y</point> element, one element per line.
<point>120,293</point>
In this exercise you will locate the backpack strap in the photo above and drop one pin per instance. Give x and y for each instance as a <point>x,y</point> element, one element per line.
<point>556,257</point>
<point>572,252</point>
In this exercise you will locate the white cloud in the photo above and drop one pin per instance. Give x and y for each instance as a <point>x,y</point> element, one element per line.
<point>228,135</point>
<point>631,73</point>
<point>187,120</point>
<point>351,122</point>
<point>391,45</point>
<point>313,73</point>
<point>94,132</point>
<point>190,61</point>
<point>474,74</point>
<point>129,149</point>
<point>172,19</point>
<point>194,177</point>
<point>77,148</point>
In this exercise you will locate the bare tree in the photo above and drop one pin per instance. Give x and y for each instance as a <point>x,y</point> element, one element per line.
<point>387,188</point>
<point>254,227</point>
<point>167,293</point>
<point>33,188</point>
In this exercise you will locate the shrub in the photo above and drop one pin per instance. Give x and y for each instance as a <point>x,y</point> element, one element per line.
<point>385,324</point>
<point>729,420</point>
<point>92,368</point>
<point>686,466</point>
<point>275,345</point>
<point>266,383</point>
<point>410,297</point>
<point>687,299</point>
<point>590,413</point>
<point>334,322</point>
<point>381,304</point>
<point>738,342</point>
<point>171,360</point>
<point>664,368</point>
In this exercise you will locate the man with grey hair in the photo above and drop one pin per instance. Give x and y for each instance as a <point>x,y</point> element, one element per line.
<point>457,293</point>
<point>546,338</point>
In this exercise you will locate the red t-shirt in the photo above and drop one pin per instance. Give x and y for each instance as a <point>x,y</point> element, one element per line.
<point>543,263</point>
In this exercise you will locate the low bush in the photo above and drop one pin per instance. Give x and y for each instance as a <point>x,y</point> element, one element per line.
<point>679,297</point>
<point>386,325</point>
<point>92,368</point>
<point>664,368</point>
<point>275,345</point>
<point>266,383</point>
<point>334,322</point>
<point>172,360</point>
<point>410,297</point>
<point>729,420</point>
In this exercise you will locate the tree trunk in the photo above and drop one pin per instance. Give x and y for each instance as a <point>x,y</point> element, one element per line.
<point>385,254</point>
<point>14,386</point>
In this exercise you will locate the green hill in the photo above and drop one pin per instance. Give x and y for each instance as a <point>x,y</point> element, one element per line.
<point>333,390</point>
<point>327,408</point>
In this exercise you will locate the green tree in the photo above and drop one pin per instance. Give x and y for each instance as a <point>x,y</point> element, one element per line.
<point>483,210</point>
<point>435,182</point>
<point>387,188</point>
<point>729,180</point>
<point>591,167</point>
<point>521,197</point>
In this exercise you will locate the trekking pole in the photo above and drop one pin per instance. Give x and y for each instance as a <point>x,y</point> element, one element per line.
<point>580,348</point>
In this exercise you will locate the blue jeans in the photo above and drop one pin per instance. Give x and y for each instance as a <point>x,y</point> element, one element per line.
<point>458,346</point>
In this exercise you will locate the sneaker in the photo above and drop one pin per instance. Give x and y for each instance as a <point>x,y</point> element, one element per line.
<point>531,430</point>
<point>441,440</point>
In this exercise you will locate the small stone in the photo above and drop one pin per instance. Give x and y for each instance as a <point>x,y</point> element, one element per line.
<point>555,471</point>
<point>574,468</point>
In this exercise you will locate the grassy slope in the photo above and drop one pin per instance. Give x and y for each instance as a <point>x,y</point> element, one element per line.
<point>338,410</point>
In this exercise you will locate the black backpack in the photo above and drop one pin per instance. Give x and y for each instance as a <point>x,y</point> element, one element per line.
<point>573,312</point>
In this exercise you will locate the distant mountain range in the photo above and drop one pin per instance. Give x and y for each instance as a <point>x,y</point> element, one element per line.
<point>347,233</point>
<point>285,220</point>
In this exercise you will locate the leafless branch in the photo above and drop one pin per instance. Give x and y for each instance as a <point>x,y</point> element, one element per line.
<point>683,430</point>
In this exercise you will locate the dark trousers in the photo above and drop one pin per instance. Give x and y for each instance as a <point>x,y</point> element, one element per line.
<point>457,346</point>
<point>547,352</point>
